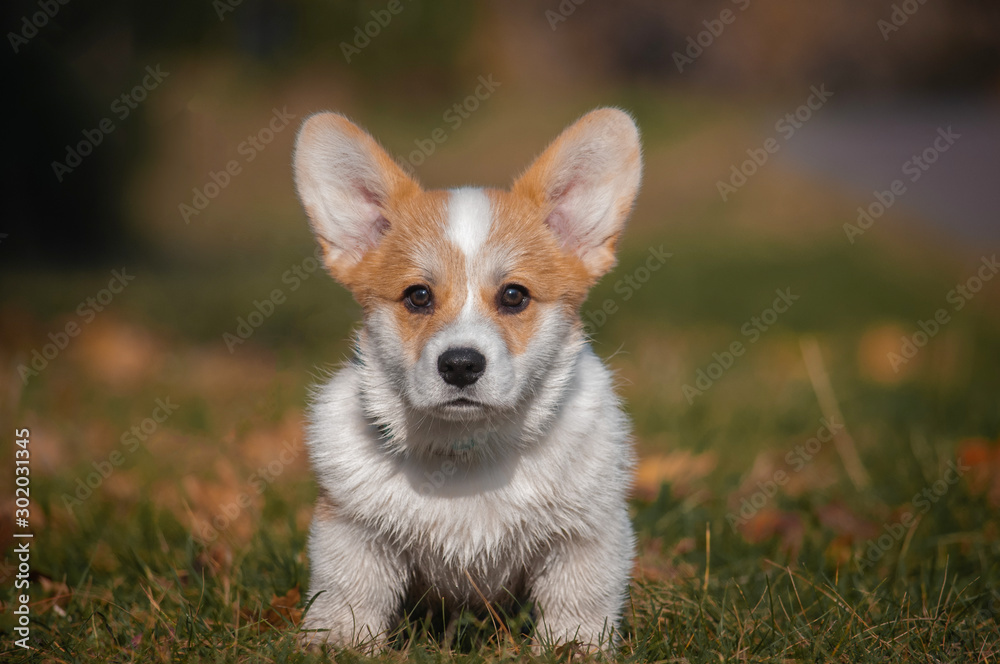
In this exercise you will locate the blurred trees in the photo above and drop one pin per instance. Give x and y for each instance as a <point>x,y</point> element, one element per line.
<point>64,72</point>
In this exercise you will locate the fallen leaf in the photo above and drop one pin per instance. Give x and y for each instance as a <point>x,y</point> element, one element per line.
<point>681,467</point>
<point>284,609</point>
<point>983,459</point>
<point>57,595</point>
<point>873,354</point>
<point>839,551</point>
<point>845,523</point>
<point>768,524</point>
<point>119,354</point>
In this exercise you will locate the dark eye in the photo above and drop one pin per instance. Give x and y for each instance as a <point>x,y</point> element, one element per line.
<point>513,298</point>
<point>418,298</point>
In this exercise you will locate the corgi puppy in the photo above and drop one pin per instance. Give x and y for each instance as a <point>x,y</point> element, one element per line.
<point>473,451</point>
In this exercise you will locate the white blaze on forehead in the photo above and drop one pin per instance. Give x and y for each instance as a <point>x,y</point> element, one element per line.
<point>469,219</point>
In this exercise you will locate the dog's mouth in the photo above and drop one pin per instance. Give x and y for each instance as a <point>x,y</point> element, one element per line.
<point>464,403</point>
<point>462,408</point>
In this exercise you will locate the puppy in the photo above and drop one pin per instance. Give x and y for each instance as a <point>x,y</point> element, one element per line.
<point>473,450</point>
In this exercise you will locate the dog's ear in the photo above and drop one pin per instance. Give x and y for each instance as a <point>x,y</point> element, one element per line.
<point>345,181</point>
<point>587,180</point>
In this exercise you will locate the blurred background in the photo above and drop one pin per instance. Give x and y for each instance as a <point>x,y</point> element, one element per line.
<point>844,152</point>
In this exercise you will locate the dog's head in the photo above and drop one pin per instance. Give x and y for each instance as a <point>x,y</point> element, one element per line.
<point>469,294</point>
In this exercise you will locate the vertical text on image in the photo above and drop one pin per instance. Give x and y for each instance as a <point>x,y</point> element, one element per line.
<point>23,536</point>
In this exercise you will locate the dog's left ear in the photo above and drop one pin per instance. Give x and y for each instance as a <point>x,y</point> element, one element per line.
<point>346,182</point>
<point>587,180</point>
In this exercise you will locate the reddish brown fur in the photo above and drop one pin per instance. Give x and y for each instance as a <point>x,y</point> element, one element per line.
<point>551,275</point>
<point>537,184</point>
<point>415,250</point>
<point>397,187</point>
<point>414,241</point>
<point>417,236</point>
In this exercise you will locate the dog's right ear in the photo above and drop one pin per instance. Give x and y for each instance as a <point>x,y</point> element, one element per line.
<point>345,181</point>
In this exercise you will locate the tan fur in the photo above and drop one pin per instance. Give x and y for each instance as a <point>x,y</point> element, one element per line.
<point>326,508</point>
<point>414,249</point>
<point>540,183</point>
<point>539,264</point>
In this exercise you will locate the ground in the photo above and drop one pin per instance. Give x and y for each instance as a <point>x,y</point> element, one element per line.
<point>810,490</point>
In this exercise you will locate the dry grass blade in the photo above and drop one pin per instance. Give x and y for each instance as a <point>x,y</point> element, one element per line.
<point>842,440</point>
<point>498,623</point>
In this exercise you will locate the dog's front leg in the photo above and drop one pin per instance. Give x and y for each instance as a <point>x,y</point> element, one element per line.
<point>581,588</point>
<point>358,583</point>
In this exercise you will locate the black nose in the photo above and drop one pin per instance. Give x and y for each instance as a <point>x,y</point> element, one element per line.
<point>461,366</point>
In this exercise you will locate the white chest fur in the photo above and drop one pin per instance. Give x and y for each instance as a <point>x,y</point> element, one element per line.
<point>480,515</point>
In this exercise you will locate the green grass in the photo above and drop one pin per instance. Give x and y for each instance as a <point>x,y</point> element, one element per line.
<point>126,574</point>
<point>139,587</point>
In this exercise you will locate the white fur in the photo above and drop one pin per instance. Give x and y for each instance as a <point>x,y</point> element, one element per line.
<point>469,219</point>
<point>547,518</point>
<point>341,187</point>
<point>525,494</point>
<point>469,223</point>
<point>591,184</point>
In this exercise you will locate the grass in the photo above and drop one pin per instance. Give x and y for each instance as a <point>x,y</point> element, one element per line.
<point>192,549</point>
